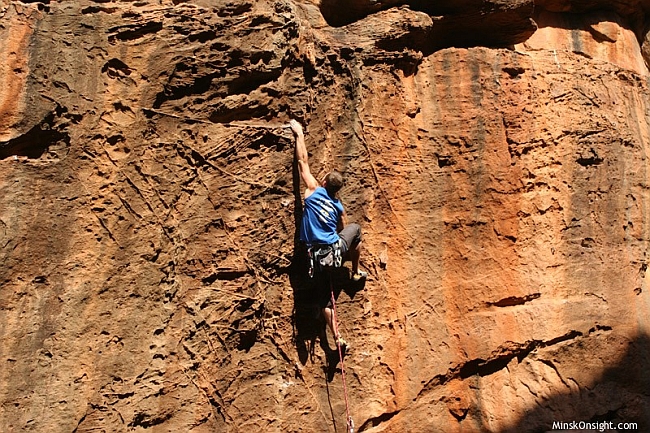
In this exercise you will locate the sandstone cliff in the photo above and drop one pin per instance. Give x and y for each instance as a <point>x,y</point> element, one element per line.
<point>495,154</point>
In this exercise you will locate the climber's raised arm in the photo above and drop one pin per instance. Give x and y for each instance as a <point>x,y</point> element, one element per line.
<point>302,158</point>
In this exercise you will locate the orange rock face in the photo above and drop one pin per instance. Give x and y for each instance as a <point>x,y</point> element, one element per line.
<point>495,155</point>
<point>14,70</point>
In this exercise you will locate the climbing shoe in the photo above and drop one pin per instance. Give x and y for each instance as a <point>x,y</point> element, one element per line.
<point>360,275</point>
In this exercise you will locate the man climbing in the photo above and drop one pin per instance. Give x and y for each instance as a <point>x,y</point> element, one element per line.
<point>324,221</point>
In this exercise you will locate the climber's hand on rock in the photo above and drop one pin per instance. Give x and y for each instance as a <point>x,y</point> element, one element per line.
<point>296,127</point>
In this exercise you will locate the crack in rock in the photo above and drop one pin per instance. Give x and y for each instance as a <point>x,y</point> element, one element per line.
<point>511,301</point>
<point>499,359</point>
<point>376,420</point>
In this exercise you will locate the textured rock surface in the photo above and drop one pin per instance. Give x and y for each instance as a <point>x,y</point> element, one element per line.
<point>495,153</point>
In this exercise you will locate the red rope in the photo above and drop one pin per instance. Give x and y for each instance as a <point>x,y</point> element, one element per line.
<point>350,424</point>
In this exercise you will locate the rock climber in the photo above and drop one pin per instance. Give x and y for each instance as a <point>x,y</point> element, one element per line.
<point>324,222</point>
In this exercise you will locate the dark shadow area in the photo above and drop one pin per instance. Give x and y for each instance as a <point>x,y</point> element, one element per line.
<point>339,13</point>
<point>584,14</point>
<point>36,142</point>
<point>473,23</point>
<point>619,395</point>
<point>459,24</point>
<point>573,21</point>
<point>310,294</point>
<point>340,282</point>
<point>589,19</point>
<point>308,325</point>
<point>343,282</point>
<point>479,28</point>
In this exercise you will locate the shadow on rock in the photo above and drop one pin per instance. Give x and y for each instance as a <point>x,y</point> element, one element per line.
<point>308,325</point>
<point>619,396</point>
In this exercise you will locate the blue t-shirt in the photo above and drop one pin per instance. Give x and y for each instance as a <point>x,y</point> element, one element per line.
<point>320,218</point>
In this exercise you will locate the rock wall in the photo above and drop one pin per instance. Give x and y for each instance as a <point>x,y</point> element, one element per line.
<point>495,154</point>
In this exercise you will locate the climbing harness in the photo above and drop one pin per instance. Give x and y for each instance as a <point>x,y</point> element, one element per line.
<point>324,257</point>
<point>349,422</point>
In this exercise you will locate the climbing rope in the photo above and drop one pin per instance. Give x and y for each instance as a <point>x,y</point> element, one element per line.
<point>349,423</point>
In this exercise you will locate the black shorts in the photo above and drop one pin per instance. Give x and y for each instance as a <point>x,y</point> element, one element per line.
<point>351,235</point>
<point>323,292</point>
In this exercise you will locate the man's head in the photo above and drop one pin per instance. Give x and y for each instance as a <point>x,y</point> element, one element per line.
<point>333,182</point>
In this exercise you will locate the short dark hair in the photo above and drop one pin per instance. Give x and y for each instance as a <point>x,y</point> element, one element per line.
<point>333,182</point>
